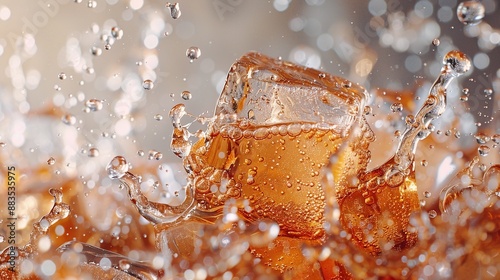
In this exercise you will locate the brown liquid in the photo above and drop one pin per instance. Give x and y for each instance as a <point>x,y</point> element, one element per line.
<point>278,175</point>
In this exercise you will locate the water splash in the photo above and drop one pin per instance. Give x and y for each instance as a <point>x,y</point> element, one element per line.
<point>157,213</point>
<point>367,199</point>
<point>59,211</point>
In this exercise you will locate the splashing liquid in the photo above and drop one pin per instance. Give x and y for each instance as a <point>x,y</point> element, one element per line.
<point>377,207</point>
<point>59,211</point>
<point>267,151</point>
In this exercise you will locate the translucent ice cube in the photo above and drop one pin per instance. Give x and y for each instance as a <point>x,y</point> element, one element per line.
<point>267,91</point>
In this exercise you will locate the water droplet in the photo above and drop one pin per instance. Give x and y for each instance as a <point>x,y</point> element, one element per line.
<point>117,167</point>
<point>116,32</point>
<point>158,117</point>
<point>148,84</point>
<point>483,150</point>
<point>424,162</point>
<point>367,110</point>
<point>193,53</point>
<point>94,104</point>
<point>397,107</point>
<point>93,152</point>
<point>432,214</point>
<point>96,51</point>
<point>427,194</point>
<point>481,138</point>
<point>488,91</point>
<point>186,95</point>
<point>107,47</point>
<point>51,161</point>
<point>457,61</point>
<point>175,11</point>
<point>470,12</point>
<point>61,76</point>
<point>496,138</point>
<point>68,119</point>
<point>436,42</point>
<point>92,4</point>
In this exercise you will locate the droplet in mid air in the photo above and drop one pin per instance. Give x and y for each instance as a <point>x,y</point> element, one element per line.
<point>175,11</point>
<point>51,161</point>
<point>62,76</point>
<point>186,95</point>
<point>93,105</point>
<point>117,32</point>
<point>470,12</point>
<point>148,84</point>
<point>193,53</point>
<point>117,167</point>
<point>68,119</point>
<point>436,42</point>
<point>93,152</point>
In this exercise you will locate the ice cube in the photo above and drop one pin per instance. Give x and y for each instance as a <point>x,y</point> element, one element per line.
<point>267,91</point>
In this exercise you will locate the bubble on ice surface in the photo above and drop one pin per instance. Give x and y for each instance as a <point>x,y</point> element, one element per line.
<point>470,12</point>
<point>267,91</point>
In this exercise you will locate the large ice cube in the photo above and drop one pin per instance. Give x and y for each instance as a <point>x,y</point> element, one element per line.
<point>268,91</point>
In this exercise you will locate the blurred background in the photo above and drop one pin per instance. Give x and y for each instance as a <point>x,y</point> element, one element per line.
<point>83,81</point>
<point>378,43</point>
